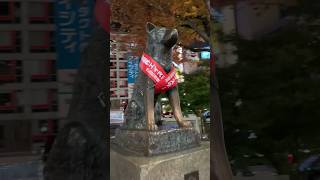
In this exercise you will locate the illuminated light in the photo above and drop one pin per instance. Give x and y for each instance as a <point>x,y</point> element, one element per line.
<point>205,55</point>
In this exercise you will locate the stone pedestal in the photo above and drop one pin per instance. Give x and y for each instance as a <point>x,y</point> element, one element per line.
<point>149,143</point>
<point>191,164</point>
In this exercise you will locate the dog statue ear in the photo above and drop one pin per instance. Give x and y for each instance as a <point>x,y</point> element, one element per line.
<point>150,27</point>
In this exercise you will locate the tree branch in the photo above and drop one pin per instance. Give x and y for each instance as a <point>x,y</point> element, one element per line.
<point>159,8</point>
<point>202,33</point>
<point>207,3</point>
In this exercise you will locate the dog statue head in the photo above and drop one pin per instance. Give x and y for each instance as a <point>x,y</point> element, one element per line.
<point>160,42</point>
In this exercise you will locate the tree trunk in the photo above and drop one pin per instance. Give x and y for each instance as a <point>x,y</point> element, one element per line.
<point>80,149</point>
<point>219,157</point>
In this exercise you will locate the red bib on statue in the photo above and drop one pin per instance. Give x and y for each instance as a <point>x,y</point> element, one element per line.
<point>163,81</point>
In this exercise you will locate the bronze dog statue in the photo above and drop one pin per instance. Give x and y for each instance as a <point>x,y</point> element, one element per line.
<point>141,112</point>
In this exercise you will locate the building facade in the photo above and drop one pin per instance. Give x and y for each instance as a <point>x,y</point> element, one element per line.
<point>28,79</point>
<point>122,48</point>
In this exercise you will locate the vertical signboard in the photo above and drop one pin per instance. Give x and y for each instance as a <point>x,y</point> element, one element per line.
<point>133,68</point>
<point>73,20</point>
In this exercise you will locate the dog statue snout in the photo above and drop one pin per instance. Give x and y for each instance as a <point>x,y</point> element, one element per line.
<point>172,38</point>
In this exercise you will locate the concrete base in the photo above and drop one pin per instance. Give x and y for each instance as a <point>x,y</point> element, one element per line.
<point>184,165</point>
<point>150,143</point>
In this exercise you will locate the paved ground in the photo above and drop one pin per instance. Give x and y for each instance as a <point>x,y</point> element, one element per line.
<point>21,168</point>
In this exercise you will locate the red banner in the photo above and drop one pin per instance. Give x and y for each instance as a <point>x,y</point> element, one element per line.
<point>102,13</point>
<point>163,81</point>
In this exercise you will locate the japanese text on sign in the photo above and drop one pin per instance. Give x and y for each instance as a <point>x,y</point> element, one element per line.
<point>73,27</point>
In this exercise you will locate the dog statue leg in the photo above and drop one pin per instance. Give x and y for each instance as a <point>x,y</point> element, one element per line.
<point>149,105</point>
<point>157,111</point>
<point>175,105</point>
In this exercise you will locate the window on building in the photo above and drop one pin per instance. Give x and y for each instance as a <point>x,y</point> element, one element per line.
<point>48,126</point>
<point>21,133</point>
<point>42,12</point>
<point>41,41</point>
<point>10,71</point>
<point>113,84</point>
<point>5,99</point>
<point>123,83</point>
<point>9,12</point>
<point>123,74</point>
<point>123,93</point>
<point>5,9</point>
<point>122,65</point>
<point>113,93</point>
<point>43,126</point>
<point>9,103</point>
<point>112,65</point>
<point>46,101</point>
<point>113,46</point>
<point>113,57</point>
<point>43,71</point>
<point>113,74</point>
<point>10,41</point>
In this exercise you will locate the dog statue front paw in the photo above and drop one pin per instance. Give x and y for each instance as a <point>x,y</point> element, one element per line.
<point>185,124</point>
<point>152,127</point>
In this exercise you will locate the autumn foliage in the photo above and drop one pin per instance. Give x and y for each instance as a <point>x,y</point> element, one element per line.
<point>188,16</point>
